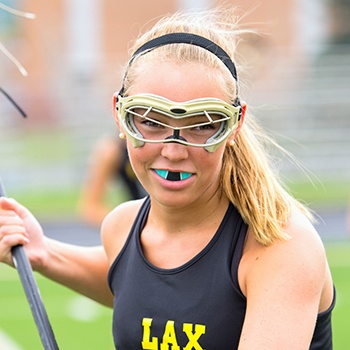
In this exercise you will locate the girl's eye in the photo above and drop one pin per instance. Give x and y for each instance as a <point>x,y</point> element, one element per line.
<point>204,127</point>
<point>151,124</point>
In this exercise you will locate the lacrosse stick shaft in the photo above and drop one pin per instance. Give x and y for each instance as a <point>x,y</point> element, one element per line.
<point>32,292</point>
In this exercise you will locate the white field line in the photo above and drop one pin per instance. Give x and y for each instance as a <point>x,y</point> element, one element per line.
<point>83,309</point>
<point>6,343</point>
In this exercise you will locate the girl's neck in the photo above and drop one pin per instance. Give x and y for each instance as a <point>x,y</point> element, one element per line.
<point>173,236</point>
<point>182,219</point>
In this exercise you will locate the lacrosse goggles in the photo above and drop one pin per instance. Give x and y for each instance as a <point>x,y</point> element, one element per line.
<point>203,122</point>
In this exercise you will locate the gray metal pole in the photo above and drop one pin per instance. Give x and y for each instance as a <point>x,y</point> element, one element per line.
<point>31,290</point>
<point>26,275</point>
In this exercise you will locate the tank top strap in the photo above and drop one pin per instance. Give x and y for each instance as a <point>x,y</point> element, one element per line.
<point>239,235</point>
<point>139,222</point>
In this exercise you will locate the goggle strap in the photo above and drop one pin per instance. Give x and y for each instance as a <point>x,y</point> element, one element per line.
<point>237,103</point>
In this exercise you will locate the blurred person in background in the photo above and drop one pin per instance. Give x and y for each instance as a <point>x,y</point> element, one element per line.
<point>339,26</point>
<point>218,255</point>
<point>109,165</point>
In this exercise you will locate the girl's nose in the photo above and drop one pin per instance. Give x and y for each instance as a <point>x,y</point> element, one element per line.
<point>174,151</point>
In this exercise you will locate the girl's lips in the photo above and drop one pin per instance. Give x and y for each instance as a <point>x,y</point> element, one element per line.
<point>172,176</point>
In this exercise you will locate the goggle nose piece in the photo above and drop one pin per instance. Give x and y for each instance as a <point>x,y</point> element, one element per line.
<point>176,136</point>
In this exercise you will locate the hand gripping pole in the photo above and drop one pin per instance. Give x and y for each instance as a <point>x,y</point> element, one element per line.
<point>32,292</point>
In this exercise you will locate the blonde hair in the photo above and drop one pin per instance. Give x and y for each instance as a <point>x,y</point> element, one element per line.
<point>248,178</point>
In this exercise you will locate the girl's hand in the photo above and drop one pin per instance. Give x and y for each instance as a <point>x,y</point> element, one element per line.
<point>19,226</point>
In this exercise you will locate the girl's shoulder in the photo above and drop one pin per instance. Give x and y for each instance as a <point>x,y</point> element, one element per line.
<point>117,225</point>
<point>302,256</point>
<point>286,285</point>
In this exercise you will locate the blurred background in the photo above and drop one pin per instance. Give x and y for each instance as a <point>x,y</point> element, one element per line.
<point>295,78</point>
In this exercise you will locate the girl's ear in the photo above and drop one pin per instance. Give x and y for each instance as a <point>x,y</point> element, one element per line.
<point>244,110</point>
<point>114,108</point>
<point>230,140</point>
<point>241,120</point>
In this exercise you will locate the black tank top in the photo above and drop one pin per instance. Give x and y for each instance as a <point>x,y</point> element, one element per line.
<point>198,305</point>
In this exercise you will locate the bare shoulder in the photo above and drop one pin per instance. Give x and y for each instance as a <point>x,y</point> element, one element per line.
<point>304,242</point>
<point>303,236</point>
<point>116,227</point>
<point>299,264</point>
<point>286,284</point>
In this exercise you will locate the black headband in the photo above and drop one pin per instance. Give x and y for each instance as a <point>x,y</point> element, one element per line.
<point>186,38</point>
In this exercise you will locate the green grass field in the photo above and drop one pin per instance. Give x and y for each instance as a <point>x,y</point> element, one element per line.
<point>79,323</point>
<point>339,260</point>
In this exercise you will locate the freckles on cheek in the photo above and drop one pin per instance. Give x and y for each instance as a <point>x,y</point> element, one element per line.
<point>139,157</point>
<point>216,162</point>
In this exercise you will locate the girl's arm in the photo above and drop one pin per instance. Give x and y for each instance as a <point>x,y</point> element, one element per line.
<point>286,284</point>
<point>83,269</point>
